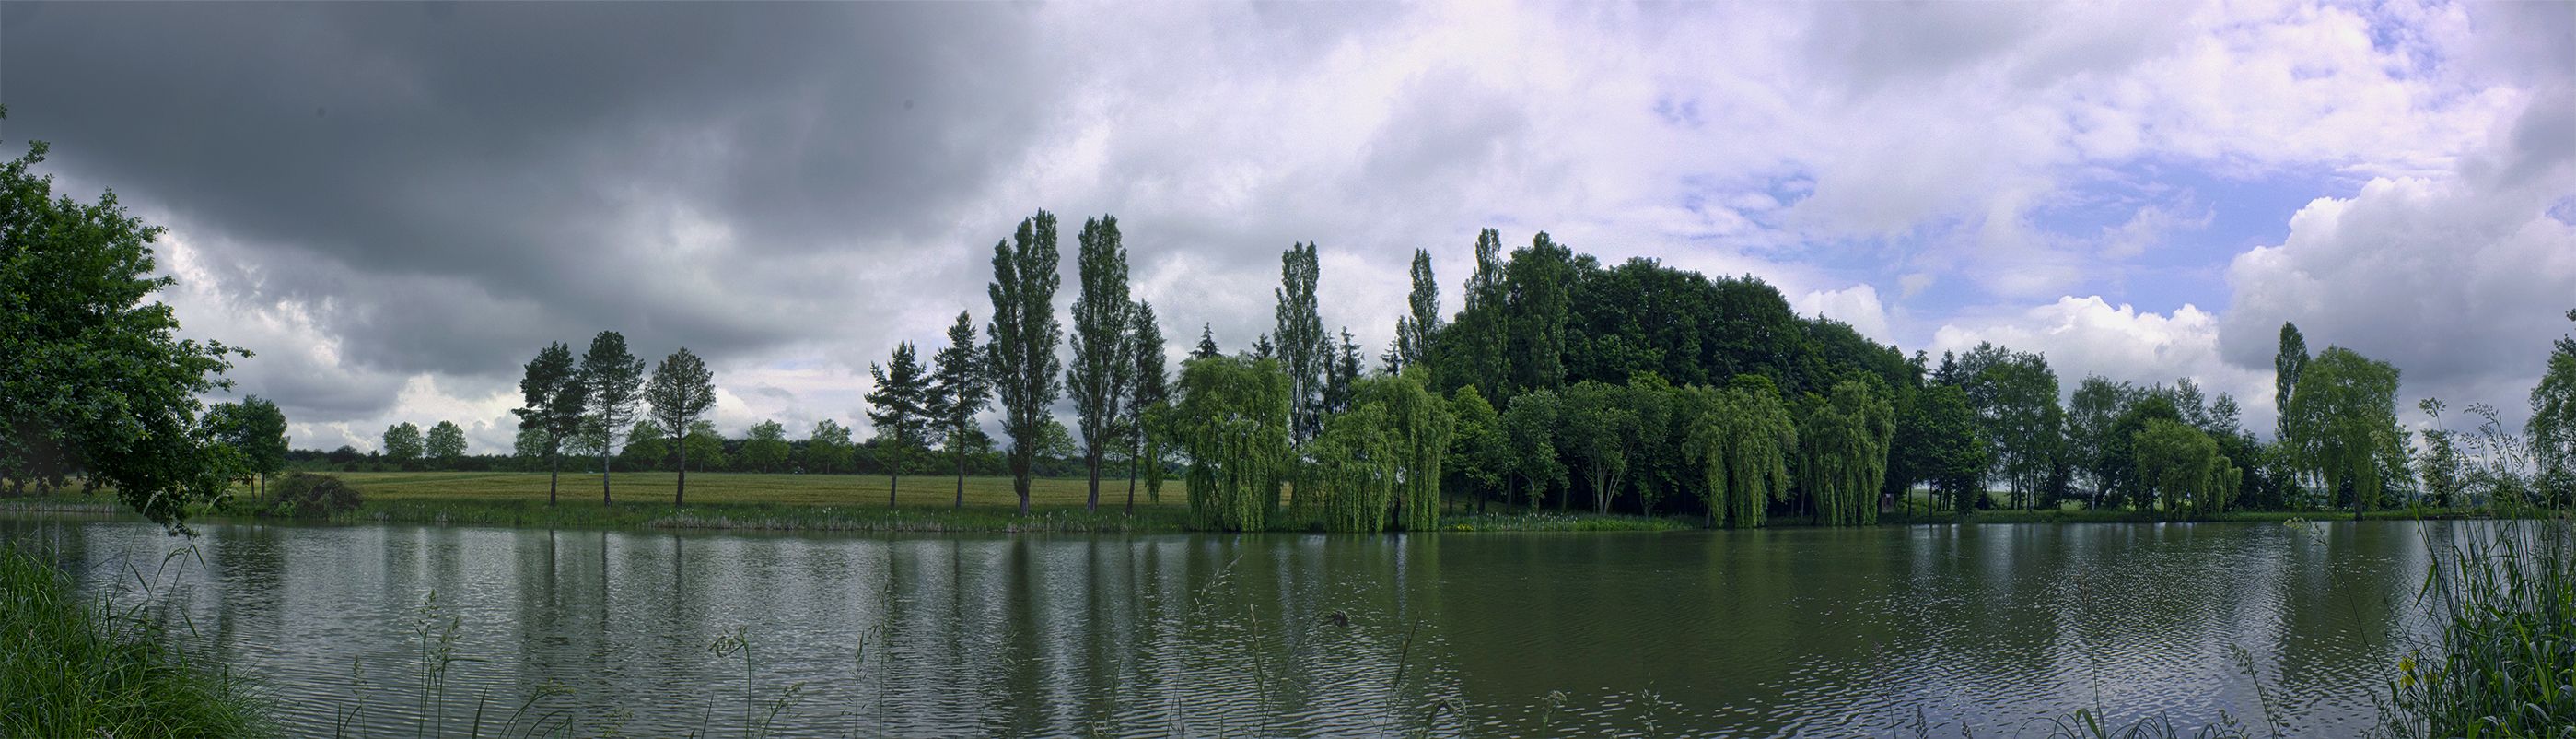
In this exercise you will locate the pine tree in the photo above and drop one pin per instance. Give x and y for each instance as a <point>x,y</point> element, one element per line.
<point>554,402</point>
<point>682,390</point>
<point>958,391</point>
<point>900,411</point>
<point>1207,343</point>
<point>616,380</point>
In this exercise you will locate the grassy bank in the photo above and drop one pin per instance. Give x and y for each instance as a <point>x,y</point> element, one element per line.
<point>74,666</point>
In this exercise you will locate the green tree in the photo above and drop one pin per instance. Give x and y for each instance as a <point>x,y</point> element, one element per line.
<point>77,339</point>
<point>2174,461</point>
<point>1530,425</point>
<point>827,448</point>
<point>682,390</point>
<point>1743,438</point>
<point>765,448</point>
<point>2090,415</point>
<point>1842,458</point>
<point>1356,469</point>
<point>532,447</point>
<point>2287,363</point>
<point>958,391</point>
<point>615,378</point>
<point>1232,425</point>
<point>704,446</point>
<point>1207,343</point>
<point>1478,451</point>
<point>256,429</point>
<point>2021,415</point>
<point>1414,331</point>
<point>1540,281</point>
<point>1475,345</point>
<point>2343,422</point>
<point>1151,389</point>
<point>553,402</point>
<point>1303,351</point>
<point>2552,428</point>
<point>1660,435</point>
<point>1419,428</point>
<point>900,411</point>
<point>1020,358</point>
<point>648,444</point>
<point>2441,464</point>
<point>1599,427</point>
<point>1953,451</point>
<point>1103,362</point>
<point>1341,375</point>
<point>446,445</point>
<point>403,445</point>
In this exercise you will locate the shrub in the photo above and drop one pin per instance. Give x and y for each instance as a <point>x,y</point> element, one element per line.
<point>307,495</point>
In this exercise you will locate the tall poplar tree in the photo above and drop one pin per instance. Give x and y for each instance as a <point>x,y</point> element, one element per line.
<point>899,410</point>
<point>1541,293</point>
<point>1019,354</point>
<point>958,391</point>
<point>553,402</point>
<point>1475,344</point>
<point>1304,354</point>
<point>1103,363</point>
<point>1150,389</point>
<point>1414,331</point>
<point>615,378</point>
<point>2287,363</point>
<point>682,390</point>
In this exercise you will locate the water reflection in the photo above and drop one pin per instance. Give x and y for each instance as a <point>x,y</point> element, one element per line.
<point>1783,633</point>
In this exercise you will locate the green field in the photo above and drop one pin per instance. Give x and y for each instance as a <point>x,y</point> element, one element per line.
<point>736,488</point>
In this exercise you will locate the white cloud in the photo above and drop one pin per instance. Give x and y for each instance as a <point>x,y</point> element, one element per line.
<point>2088,336</point>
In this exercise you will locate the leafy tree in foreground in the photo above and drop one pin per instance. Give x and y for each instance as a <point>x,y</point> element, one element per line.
<point>1356,469</point>
<point>76,337</point>
<point>1744,437</point>
<point>765,447</point>
<point>1599,426</point>
<point>403,445</point>
<point>1952,449</point>
<point>2343,421</point>
<point>682,390</point>
<point>1151,390</point>
<point>257,429</point>
<point>1420,426</point>
<point>1020,353</point>
<point>1478,451</point>
<point>1232,424</point>
<point>1103,363</point>
<point>553,401</point>
<point>2174,461</point>
<point>2552,428</point>
<point>900,411</point>
<point>958,391</point>
<point>446,445</point>
<point>615,379</point>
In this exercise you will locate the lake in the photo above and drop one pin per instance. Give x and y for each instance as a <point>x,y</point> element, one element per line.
<point>1790,632</point>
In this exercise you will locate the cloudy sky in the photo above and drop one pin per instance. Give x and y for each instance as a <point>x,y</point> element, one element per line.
<point>397,205</point>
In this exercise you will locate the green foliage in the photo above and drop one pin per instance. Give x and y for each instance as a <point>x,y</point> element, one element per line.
<point>1657,462</point>
<point>1019,351</point>
<point>1417,428</point>
<point>615,380</point>
<point>2343,423</point>
<point>1540,288</point>
<point>1357,469</point>
<point>682,390</point>
<point>254,428</point>
<point>703,448</point>
<point>403,445</point>
<point>2287,364</point>
<point>2505,655</point>
<point>1943,436</point>
<point>1842,451</point>
<point>2178,465</point>
<point>1479,453</point>
<point>2015,396</point>
<point>1530,426</point>
<point>1415,329</point>
<point>1232,425</point>
<point>1207,343</point>
<point>1104,362</point>
<point>1473,347</point>
<point>306,495</point>
<point>958,390</point>
<point>1152,390</point>
<point>1743,438</point>
<point>1302,350</point>
<point>899,409</point>
<point>75,666</point>
<point>827,448</point>
<point>2552,428</point>
<point>445,445</point>
<point>765,449</point>
<point>553,401</point>
<point>1599,427</point>
<point>94,381</point>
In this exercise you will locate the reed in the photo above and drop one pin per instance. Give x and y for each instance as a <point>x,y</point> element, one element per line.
<point>75,666</point>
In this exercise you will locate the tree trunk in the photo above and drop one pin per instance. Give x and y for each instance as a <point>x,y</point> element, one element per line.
<point>1131,481</point>
<point>680,494</point>
<point>893,481</point>
<point>603,479</point>
<point>961,478</point>
<point>1092,460</point>
<point>1020,478</point>
<point>555,477</point>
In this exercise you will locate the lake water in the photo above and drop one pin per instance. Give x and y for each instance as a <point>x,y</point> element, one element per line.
<point>1805,632</point>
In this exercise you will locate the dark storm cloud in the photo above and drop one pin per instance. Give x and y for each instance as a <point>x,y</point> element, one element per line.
<point>447,186</point>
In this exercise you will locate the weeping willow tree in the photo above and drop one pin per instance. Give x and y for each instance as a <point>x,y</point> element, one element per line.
<point>1422,426</point>
<point>2173,461</point>
<point>1842,455</point>
<point>2225,478</point>
<point>1232,423</point>
<point>1743,439</point>
<point>1358,463</point>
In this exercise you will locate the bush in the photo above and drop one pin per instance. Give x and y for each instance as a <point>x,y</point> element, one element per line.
<point>307,495</point>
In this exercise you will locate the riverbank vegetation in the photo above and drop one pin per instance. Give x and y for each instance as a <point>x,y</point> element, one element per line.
<point>80,665</point>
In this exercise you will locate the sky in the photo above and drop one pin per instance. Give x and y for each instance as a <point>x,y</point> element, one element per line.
<point>395,206</point>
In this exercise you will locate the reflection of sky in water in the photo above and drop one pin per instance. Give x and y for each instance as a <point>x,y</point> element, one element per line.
<point>1788,632</point>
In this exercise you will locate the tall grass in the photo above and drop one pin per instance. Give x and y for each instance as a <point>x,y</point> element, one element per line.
<point>75,666</point>
<point>2505,659</point>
